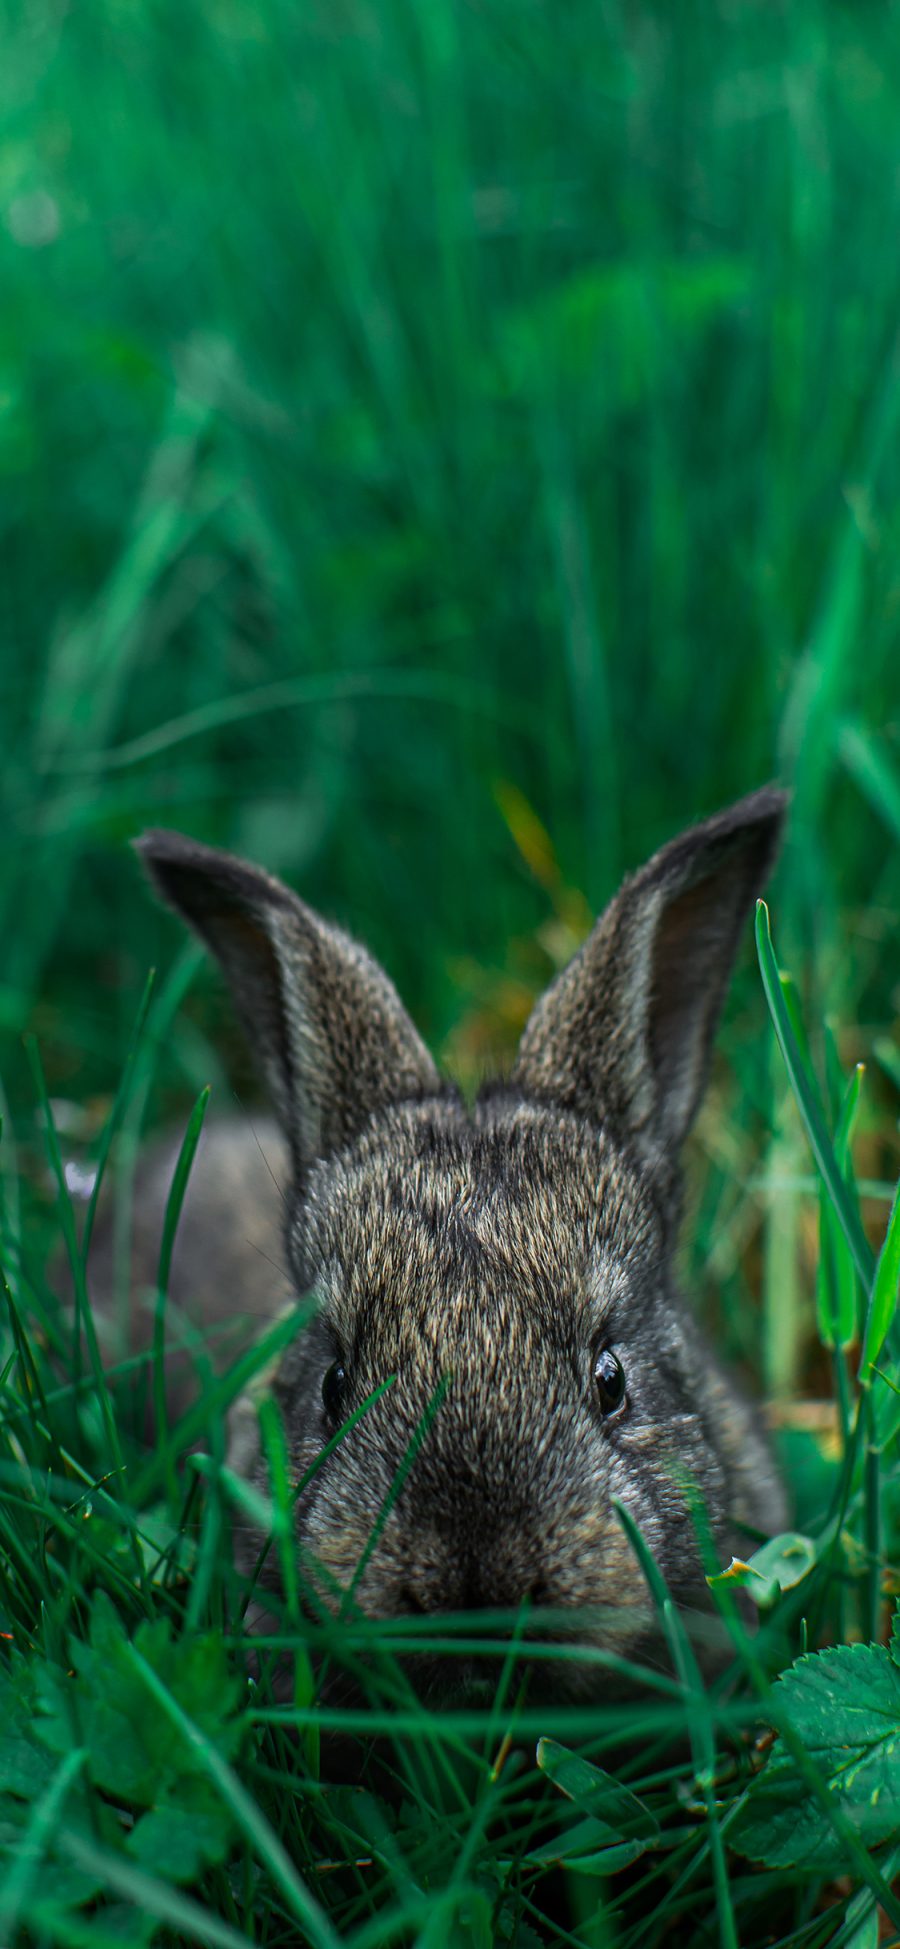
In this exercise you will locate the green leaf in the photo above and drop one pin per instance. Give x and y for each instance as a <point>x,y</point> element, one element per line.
<point>583,1849</point>
<point>885,1398</point>
<point>135,1754</point>
<point>116,1923</point>
<point>862,1919</point>
<point>151,1896</point>
<point>779,1565</point>
<point>618,1827</point>
<point>844,1704</point>
<point>836,1314</point>
<point>764,1591</point>
<point>595,1792</point>
<point>510,1928</point>
<point>60,1881</point>
<point>26,1767</point>
<point>24,1822</point>
<point>789,990</point>
<point>187,1831</point>
<point>40,1824</point>
<point>883,1302</point>
<point>846,1123</point>
<point>848,1695</point>
<point>249,1817</point>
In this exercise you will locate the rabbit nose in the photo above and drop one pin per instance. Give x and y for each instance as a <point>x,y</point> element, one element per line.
<point>469,1584</point>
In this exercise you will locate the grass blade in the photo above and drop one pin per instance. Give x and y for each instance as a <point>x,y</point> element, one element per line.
<point>174,1203</point>
<point>884,1295</point>
<point>220,1395</point>
<point>84,1318</point>
<point>872,771</point>
<point>114,1120</point>
<point>809,1103</point>
<point>699,1719</point>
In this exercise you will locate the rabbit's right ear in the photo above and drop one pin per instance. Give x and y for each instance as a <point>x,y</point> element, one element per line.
<point>624,1034</point>
<point>327,1027</point>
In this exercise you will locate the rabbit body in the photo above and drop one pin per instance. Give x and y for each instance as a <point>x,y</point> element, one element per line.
<point>228,1279</point>
<point>506,1267</point>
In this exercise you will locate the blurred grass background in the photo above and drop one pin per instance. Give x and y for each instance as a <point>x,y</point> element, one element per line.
<point>443,450</point>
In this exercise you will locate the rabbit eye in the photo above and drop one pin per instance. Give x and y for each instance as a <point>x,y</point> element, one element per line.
<point>334,1390</point>
<point>609,1380</point>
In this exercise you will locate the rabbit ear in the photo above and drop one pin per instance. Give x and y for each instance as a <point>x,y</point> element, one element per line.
<point>624,1034</point>
<point>326,1025</point>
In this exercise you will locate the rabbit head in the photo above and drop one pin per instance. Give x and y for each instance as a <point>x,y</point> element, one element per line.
<point>507,1268</point>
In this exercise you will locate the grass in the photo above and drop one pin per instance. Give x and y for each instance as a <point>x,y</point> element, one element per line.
<point>442,451</point>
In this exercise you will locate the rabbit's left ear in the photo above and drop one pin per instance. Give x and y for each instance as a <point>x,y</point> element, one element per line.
<point>327,1027</point>
<point>624,1034</point>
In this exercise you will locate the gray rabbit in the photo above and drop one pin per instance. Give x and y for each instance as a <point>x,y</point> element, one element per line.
<point>509,1264</point>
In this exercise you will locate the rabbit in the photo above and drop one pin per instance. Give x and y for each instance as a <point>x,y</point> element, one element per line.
<point>227,1279</point>
<point>508,1266</point>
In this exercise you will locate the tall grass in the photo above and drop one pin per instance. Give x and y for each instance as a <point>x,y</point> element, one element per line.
<point>399,401</point>
<point>406,414</point>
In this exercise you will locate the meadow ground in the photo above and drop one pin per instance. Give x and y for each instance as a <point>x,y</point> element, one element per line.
<point>444,450</point>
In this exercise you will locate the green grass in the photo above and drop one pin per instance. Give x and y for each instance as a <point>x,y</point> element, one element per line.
<point>443,450</point>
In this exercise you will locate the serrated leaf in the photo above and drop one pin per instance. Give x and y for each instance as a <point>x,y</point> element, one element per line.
<point>509,1927</point>
<point>134,1754</point>
<point>60,1881</point>
<point>26,1767</point>
<point>780,1824</point>
<point>848,1695</point>
<point>844,1703</point>
<point>117,1923</point>
<point>190,1829</point>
